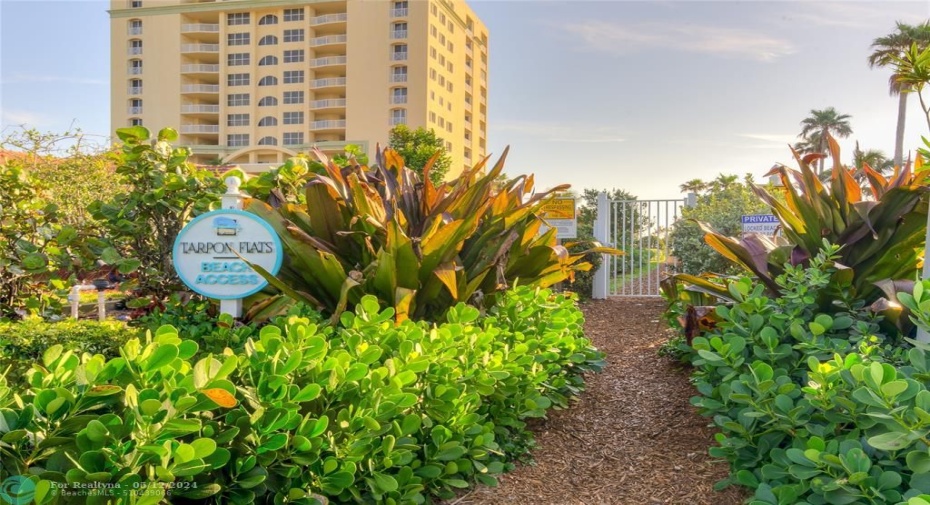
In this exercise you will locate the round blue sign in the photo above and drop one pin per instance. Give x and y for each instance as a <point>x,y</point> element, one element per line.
<point>213,252</point>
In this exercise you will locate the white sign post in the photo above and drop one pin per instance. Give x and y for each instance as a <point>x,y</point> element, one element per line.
<point>209,252</point>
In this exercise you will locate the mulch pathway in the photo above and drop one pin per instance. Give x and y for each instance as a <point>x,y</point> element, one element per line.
<point>631,438</point>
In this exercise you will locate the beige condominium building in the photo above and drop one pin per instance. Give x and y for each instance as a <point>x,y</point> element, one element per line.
<point>255,81</point>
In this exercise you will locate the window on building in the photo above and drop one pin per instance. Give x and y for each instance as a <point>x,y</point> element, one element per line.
<point>293,118</point>
<point>451,27</point>
<point>268,121</point>
<point>432,117</point>
<point>293,97</point>
<point>398,116</point>
<point>449,85</point>
<point>293,138</point>
<point>433,31</point>
<point>135,86</point>
<point>135,106</point>
<point>238,39</point>
<point>135,122</point>
<point>442,60</point>
<point>442,121</point>
<point>451,49</point>
<point>237,99</point>
<point>135,4</point>
<point>268,19</point>
<point>268,40</point>
<point>293,76</point>
<point>268,141</point>
<point>399,74</point>
<point>449,126</point>
<point>135,67</point>
<point>268,60</point>
<point>237,139</point>
<point>433,9</point>
<point>135,27</point>
<point>235,59</point>
<point>399,95</point>
<point>268,80</point>
<point>237,80</point>
<point>468,80</point>
<point>135,46</point>
<point>294,56</point>
<point>296,35</point>
<point>399,52</point>
<point>237,120</point>
<point>432,74</point>
<point>442,39</point>
<point>432,53</point>
<point>293,15</point>
<point>442,80</point>
<point>400,9</point>
<point>442,19</point>
<point>268,101</point>
<point>237,18</point>
<point>399,30</point>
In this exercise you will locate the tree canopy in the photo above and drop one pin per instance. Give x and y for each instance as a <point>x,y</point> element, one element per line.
<point>417,147</point>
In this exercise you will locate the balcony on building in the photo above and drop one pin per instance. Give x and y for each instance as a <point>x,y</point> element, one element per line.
<point>399,34</point>
<point>327,124</point>
<point>135,90</point>
<point>200,48</point>
<point>200,129</point>
<point>394,121</point>
<point>204,90</point>
<point>134,110</point>
<point>399,13</point>
<point>200,109</point>
<point>398,77</point>
<point>330,82</point>
<point>135,30</point>
<point>329,103</point>
<point>328,61</point>
<point>329,41</point>
<point>200,69</point>
<point>329,19</point>
<point>399,99</point>
<point>399,55</point>
<point>200,28</point>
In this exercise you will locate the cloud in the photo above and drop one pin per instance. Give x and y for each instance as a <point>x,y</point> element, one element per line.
<point>620,38</point>
<point>852,14</point>
<point>21,77</point>
<point>560,132</point>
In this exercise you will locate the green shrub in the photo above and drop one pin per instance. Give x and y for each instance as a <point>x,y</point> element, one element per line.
<point>366,411</point>
<point>23,343</point>
<point>811,407</point>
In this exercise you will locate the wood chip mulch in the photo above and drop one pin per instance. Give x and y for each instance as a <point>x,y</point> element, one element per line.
<point>631,438</point>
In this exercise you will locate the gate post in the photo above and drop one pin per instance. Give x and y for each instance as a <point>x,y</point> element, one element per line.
<point>602,235</point>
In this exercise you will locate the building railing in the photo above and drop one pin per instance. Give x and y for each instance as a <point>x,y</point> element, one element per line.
<point>135,90</point>
<point>200,48</point>
<point>398,120</point>
<point>328,61</point>
<point>135,70</point>
<point>135,30</point>
<point>329,18</point>
<point>398,77</point>
<point>399,13</point>
<point>399,56</point>
<point>200,68</point>
<point>399,34</point>
<point>328,104</point>
<point>200,28</point>
<point>200,128</point>
<point>200,109</point>
<point>135,50</point>
<point>327,124</point>
<point>399,99</point>
<point>200,88</point>
<point>325,83</point>
<point>135,110</point>
<point>327,40</point>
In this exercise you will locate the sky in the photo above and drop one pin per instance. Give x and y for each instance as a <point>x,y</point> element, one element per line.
<point>635,95</point>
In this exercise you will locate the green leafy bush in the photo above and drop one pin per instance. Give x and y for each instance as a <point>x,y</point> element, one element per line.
<point>366,411</point>
<point>23,343</point>
<point>417,247</point>
<point>812,407</point>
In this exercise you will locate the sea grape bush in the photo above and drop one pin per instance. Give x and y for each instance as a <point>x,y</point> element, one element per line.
<point>814,408</point>
<point>366,410</point>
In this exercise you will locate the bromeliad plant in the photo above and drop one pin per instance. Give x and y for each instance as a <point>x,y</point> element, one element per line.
<point>418,247</point>
<point>880,230</point>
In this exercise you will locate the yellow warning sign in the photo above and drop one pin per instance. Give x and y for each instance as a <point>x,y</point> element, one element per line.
<point>559,208</point>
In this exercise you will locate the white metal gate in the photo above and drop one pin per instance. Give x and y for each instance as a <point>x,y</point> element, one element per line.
<point>639,228</point>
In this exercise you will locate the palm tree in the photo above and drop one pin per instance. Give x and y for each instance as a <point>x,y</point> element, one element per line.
<point>885,52</point>
<point>693,186</point>
<point>825,122</point>
<point>912,72</point>
<point>873,158</point>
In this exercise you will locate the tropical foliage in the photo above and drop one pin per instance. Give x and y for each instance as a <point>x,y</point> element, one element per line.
<point>419,148</point>
<point>365,411</point>
<point>821,124</point>
<point>163,192</point>
<point>418,247</point>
